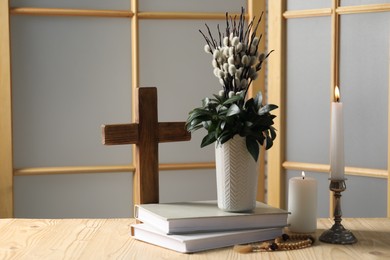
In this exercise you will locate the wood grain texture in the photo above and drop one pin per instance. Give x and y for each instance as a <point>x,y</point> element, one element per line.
<point>146,185</point>
<point>110,239</point>
<point>307,13</point>
<point>120,134</point>
<point>276,95</point>
<point>69,12</point>
<point>146,133</point>
<point>255,9</point>
<point>6,178</point>
<point>172,132</point>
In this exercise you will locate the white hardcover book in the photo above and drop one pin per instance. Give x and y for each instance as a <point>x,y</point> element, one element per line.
<point>205,216</point>
<point>189,243</point>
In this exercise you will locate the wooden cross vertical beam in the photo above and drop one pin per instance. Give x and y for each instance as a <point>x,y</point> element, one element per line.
<point>146,133</point>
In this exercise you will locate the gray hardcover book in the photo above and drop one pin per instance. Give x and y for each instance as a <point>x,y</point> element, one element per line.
<point>189,243</point>
<point>205,216</point>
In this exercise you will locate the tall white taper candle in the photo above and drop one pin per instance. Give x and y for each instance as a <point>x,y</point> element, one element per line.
<point>337,139</point>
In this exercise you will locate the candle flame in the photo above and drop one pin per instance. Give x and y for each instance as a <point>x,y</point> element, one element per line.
<point>337,94</point>
<point>303,175</point>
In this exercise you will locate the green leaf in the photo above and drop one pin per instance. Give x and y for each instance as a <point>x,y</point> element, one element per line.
<point>233,110</point>
<point>232,100</point>
<point>259,100</point>
<point>193,128</point>
<point>269,142</point>
<point>208,139</point>
<point>226,136</point>
<point>253,147</point>
<point>272,130</point>
<point>266,109</point>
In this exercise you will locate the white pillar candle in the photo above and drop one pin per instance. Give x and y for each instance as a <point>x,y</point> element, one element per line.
<point>337,139</point>
<point>302,204</point>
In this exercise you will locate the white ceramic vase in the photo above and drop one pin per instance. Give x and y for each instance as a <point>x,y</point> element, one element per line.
<point>237,175</point>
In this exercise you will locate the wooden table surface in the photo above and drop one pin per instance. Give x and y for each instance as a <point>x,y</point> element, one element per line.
<point>110,239</point>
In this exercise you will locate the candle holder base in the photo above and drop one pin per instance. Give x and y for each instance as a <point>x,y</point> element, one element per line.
<point>338,235</point>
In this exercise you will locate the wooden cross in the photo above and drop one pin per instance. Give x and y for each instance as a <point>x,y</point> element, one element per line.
<point>146,133</point>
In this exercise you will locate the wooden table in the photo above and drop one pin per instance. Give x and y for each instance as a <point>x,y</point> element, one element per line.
<point>110,239</point>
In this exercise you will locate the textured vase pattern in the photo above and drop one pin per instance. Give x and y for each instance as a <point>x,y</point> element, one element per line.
<point>236,176</point>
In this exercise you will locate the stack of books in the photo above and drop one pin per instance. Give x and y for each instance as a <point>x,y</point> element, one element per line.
<point>197,226</point>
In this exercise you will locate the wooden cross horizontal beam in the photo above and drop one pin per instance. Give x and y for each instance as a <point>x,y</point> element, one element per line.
<point>119,134</point>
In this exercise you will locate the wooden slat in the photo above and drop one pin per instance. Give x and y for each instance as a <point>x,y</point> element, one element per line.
<point>120,134</point>
<point>134,78</point>
<point>255,8</point>
<point>335,51</point>
<point>69,12</point>
<point>186,166</point>
<point>363,9</point>
<point>184,15</point>
<point>307,13</point>
<point>6,179</point>
<point>72,170</point>
<point>324,168</point>
<point>388,142</point>
<point>276,95</point>
<point>172,132</point>
<point>108,169</point>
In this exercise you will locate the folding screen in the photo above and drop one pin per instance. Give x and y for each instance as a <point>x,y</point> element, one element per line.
<point>323,44</point>
<point>75,66</point>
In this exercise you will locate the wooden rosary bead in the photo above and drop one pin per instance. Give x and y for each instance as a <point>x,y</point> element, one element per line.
<point>284,242</point>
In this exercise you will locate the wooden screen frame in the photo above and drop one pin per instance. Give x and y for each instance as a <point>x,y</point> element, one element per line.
<point>7,172</point>
<point>277,39</point>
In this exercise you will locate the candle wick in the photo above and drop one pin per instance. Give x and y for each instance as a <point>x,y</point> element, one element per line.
<point>303,177</point>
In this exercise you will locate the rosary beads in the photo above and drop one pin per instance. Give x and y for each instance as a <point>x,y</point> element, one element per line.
<point>284,242</point>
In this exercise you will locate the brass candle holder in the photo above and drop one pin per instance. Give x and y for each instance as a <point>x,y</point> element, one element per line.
<point>337,234</point>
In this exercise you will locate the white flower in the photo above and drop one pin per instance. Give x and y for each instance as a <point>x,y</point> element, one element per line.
<point>207,48</point>
<point>221,74</point>
<point>239,47</point>
<point>231,94</point>
<point>245,60</point>
<point>253,49</point>
<point>216,72</point>
<point>255,41</point>
<point>226,41</point>
<point>222,82</point>
<point>232,70</point>
<point>231,60</point>
<point>239,72</point>
<point>225,67</point>
<point>252,74</point>
<point>261,56</point>
<point>216,54</point>
<point>226,51</point>
<point>235,41</point>
<point>253,60</point>
<point>231,51</point>
<point>214,63</point>
<point>221,93</point>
